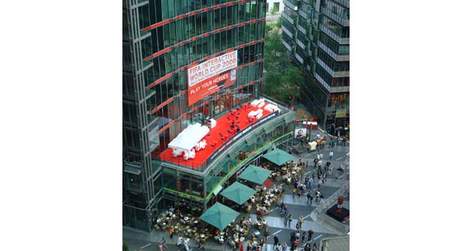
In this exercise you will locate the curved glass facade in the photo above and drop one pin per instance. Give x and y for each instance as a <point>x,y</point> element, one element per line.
<point>162,39</point>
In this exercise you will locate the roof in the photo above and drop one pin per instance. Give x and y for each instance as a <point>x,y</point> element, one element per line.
<point>238,193</point>
<point>255,174</point>
<point>219,216</point>
<point>279,157</point>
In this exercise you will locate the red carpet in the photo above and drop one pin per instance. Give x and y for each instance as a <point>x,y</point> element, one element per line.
<point>217,136</point>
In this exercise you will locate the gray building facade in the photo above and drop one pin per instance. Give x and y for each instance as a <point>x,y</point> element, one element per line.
<point>316,34</point>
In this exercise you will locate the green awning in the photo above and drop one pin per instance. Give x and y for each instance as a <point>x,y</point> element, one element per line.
<point>219,216</point>
<point>279,157</point>
<point>255,174</point>
<point>238,193</point>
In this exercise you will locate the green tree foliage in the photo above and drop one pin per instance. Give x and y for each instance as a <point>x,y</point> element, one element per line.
<point>125,247</point>
<point>282,77</point>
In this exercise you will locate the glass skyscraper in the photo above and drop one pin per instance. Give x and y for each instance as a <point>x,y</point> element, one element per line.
<point>162,39</point>
<point>316,33</point>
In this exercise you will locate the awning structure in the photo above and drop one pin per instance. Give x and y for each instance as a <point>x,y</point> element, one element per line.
<point>238,193</point>
<point>219,216</point>
<point>279,157</point>
<point>255,174</point>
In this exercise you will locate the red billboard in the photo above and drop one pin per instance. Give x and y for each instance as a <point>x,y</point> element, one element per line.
<point>211,75</point>
<point>209,86</point>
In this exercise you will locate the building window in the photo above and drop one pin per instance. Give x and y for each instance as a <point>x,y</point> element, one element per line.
<point>276,8</point>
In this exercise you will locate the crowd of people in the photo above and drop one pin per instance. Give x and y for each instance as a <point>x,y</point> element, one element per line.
<point>254,233</point>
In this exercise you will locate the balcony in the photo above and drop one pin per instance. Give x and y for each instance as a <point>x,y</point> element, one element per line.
<point>289,19</point>
<point>344,3</point>
<point>286,31</point>
<point>298,42</point>
<point>341,20</point>
<point>335,74</point>
<point>301,29</point>
<point>335,37</point>
<point>299,58</point>
<point>292,4</point>
<point>286,45</point>
<point>330,89</point>
<point>331,53</point>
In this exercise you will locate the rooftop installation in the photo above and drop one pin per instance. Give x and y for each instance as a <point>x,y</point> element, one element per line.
<point>227,128</point>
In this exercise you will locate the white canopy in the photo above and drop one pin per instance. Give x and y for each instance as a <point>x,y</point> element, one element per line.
<point>189,137</point>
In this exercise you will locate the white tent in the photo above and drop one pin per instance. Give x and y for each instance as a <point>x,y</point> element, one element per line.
<point>189,137</point>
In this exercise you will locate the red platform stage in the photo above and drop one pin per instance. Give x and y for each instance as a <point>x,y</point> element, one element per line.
<point>217,136</point>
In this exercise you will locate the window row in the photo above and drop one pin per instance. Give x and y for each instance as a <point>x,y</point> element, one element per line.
<point>169,89</point>
<point>198,49</point>
<point>331,81</point>
<point>334,65</point>
<point>333,26</point>
<point>333,45</point>
<point>172,8</point>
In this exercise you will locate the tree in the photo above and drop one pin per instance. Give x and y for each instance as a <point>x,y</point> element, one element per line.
<point>125,247</point>
<point>282,77</point>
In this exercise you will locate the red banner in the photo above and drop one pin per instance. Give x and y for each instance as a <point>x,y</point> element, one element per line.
<point>210,86</point>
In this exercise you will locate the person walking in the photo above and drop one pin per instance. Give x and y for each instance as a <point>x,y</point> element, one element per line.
<point>276,240</point>
<point>310,233</point>
<point>303,237</point>
<point>330,155</point>
<point>314,247</point>
<point>310,197</point>
<point>278,247</point>
<point>301,220</point>
<point>290,218</point>
<point>162,245</point>
<point>179,241</point>
<point>284,246</point>
<point>307,247</point>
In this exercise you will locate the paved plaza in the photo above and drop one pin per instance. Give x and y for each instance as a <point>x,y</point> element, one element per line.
<point>315,218</point>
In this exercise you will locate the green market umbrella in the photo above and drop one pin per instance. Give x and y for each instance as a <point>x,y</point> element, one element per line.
<point>255,174</point>
<point>219,216</point>
<point>279,157</point>
<point>238,193</point>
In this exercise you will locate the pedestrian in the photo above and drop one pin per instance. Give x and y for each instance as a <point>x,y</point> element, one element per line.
<point>310,197</point>
<point>201,246</point>
<point>298,225</point>
<point>284,246</point>
<point>314,247</point>
<point>330,155</point>
<point>249,245</point>
<point>310,233</point>
<point>162,245</point>
<point>307,247</point>
<point>278,247</point>
<point>171,232</point>
<point>301,220</point>
<point>289,219</point>
<point>179,241</point>
<point>318,196</point>
<point>276,240</point>
<point>303,237</point>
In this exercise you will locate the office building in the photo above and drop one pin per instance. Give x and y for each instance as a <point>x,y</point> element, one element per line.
<point>185,61</point>
<point>316,33</point>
